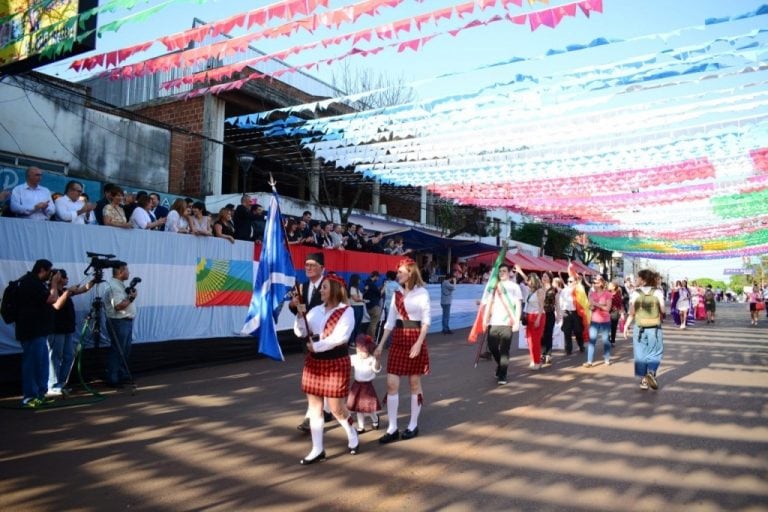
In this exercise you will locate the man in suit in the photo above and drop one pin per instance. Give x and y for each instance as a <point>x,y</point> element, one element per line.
<point>156,209</point>
<point>314,266</point>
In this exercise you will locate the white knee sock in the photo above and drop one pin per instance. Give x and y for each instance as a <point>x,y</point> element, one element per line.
<point>360,420</point>
<point>392,403</point>
<point>316,430</point>
<point>351,433</point>
<point>415,410</point>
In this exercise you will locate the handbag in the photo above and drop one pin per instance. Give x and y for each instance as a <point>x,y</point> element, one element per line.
<point>760,306</point>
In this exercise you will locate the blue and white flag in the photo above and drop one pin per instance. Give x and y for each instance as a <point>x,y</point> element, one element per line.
<point>275,277</point>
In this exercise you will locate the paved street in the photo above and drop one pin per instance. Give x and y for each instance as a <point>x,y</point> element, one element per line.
<point>565,438</point>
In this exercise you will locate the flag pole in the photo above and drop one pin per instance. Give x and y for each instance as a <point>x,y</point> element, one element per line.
<point>296,288</point>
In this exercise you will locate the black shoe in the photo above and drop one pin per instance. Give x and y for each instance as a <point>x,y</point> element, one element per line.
<point>449,331</point>
<point>320,458</point>
<point>390,438</point>
<point>568,352</point>
<point>410,434</point>
<point>581,349</point>
<point>327,416</point>
<point>355,449</point>
<point>115,385</point>
<point>304,425</point>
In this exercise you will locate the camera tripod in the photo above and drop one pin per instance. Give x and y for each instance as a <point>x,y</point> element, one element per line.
<point>92,331</point>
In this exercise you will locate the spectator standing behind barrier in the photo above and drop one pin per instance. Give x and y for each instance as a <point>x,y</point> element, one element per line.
<point>157,210</point>
<point>199,220</point>
<point>176,221</point>
<point>447,288</point>
<point>106,199</point>
<point>259,222</point>
<point>243,219</point>
<point>372,297</point>
<point>223,227</point>
<point>34,323</point>
<point>62,341</point>
<point>120,311</point>
<point>70,207</point>
<point>141,218</point>
<point>113,214</point>
<point>4,201</point>
<point>30,200</point>
<point>131,202</point>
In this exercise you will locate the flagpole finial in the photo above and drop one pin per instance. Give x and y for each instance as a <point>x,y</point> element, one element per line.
<point>272,183</point>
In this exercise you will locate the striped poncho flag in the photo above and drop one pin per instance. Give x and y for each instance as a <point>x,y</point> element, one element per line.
<point>580,300</point>
<point>479,326</point>
<point>275,277</point>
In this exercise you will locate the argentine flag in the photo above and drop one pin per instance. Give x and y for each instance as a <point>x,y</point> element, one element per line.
<point>275,277</point>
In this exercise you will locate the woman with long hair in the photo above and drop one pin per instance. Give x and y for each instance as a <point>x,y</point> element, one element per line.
<point>646,306</point>
<point>199,220</point>
<point>535,319</point>
<point>683,302</point>
<point>326,367</point>
<point>113,213</point>
<point>223,227</point>
<point>600,301</point>
<point>552,314</point>
<point>176,222</point>
<point>408,323</point>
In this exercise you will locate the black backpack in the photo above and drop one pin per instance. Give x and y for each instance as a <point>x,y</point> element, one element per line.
<point>9,307</point>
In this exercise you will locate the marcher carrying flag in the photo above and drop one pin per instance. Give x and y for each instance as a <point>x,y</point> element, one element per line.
<point>275,277</point>
<point>580,301</point>
<point>479,327</point>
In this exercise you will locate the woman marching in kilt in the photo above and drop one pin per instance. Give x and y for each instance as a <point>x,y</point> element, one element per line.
<point>408,323</point>
<point>326,367</point>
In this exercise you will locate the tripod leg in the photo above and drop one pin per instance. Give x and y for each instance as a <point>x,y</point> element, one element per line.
<point>118,342</point>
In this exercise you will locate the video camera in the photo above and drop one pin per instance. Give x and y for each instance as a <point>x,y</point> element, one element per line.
<point>99,262</point>
<point>132,285</point>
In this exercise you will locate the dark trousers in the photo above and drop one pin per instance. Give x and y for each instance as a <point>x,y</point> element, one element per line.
<point>546,337</point>
<point>499,341</point>
<point>572,327</point>
<point>614,324</point>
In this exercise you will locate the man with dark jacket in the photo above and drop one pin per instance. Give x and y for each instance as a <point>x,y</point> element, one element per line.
<point>34,323</point>
<point>243,219</point>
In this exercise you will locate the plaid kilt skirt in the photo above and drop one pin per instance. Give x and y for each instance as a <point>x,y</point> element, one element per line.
<point>326,377</point>
<point>398,362</point>
<point>363,398</point>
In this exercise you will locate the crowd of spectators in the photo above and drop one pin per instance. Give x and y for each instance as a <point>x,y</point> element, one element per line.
<point>142,210</point>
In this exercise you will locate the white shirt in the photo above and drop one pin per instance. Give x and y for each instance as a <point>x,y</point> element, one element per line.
<point>500,310</point>
<point>175,222</point>
<point>140,218</point>
<point>566,298</point>
<point>364,368</point>
<point>114,295</point>
<point>24,198</point>
<point>66,210</point>
<point>416,304</point>
<point>317,318</point>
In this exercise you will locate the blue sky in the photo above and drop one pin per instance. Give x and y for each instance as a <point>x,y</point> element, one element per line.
<point>622,19</point>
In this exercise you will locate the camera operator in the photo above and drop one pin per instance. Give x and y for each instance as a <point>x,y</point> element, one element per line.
<point>120,312</point>
<point>62,340</point>
<point>34,323</point>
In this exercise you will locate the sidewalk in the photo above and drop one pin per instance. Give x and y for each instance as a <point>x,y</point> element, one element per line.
<point>564,438</point>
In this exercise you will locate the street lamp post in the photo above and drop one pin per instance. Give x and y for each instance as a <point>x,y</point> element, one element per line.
<point>245,160</point>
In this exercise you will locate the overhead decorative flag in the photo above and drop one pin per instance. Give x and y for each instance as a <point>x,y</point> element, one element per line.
<point>275,277</point>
